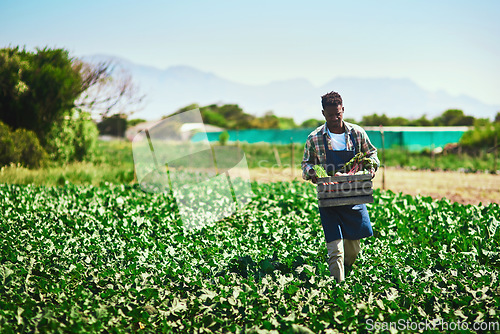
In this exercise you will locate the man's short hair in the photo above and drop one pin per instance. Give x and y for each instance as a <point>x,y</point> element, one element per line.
<point>331,99</point>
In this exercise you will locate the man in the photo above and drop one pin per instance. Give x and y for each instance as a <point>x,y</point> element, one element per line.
<point>332,145</point>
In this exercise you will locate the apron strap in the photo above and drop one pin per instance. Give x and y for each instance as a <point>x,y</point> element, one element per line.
<point>353,139</point>
<point>336,159</point>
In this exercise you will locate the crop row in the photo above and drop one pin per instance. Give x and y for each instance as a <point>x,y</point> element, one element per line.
<point>114,259</point>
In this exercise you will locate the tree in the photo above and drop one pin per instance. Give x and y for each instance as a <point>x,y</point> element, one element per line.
<point>422,121</point>
<point>347,119</point>
<point>286,123</point>
<point>189,118</point>
<point>497,117</point>
<point>482,122</point>
<point>107,89</point>
<point>114,125</point>
<point>232,116</point>
<point>36,89</point>
<point>214,118</point>
<point>268,121</point>
<point>48,92</point>
<point>134,122</point>
<point>453,117</point>
<point>311,123</point>
<point>376,120</point>
<point>399,121</point>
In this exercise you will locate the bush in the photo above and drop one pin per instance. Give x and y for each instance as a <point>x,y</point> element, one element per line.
<point>59,142</point>
<point>223,138</point>
<point>37,87</point>
<point>481,137</point>
<point>114,125</point>
<point>134,122</point>
<point>30,152</point>
<point>73,139</point>
<point>86,134</point>
<point>21,146</point>
<point>8,152</point>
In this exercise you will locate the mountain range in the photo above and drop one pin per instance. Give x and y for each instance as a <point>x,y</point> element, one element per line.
<point>169,89</point>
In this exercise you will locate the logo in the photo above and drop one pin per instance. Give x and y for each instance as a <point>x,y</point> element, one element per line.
<point>208,182</point>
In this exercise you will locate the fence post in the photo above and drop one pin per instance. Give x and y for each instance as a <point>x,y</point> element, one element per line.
<point>383,156</point>
<point>276,155</point>
<point>495,154</point>
<point>291,159</point>
<point>433,157</point>
<point>433,154</point>
<point>238,149</point>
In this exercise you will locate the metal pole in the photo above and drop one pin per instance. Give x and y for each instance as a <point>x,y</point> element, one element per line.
<point>238,149</point>
<point>495,153</point>
<point>433,154</point>
<point>276,155</point>
<point>383,156</point>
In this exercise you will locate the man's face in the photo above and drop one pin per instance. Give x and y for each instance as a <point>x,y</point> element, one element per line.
<point>334,115</point>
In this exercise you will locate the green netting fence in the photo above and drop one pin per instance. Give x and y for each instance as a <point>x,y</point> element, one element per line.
<point>411,138</point>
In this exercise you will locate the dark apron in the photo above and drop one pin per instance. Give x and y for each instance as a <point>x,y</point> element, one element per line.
<point>347,221</point>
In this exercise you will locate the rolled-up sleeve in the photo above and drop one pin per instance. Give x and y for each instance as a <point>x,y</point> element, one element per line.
<point>368,148</point>
<point>310,158</point>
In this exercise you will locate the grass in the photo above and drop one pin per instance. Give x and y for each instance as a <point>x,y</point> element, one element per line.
<point>398,157</point>
<point>263,155</point>
<point>75,173</point>
<point>115,164</point>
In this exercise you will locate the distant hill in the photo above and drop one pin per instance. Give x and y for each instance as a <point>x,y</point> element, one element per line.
<point>178,86</point>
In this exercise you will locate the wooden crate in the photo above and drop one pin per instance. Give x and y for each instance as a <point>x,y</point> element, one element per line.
<point>346,190</point>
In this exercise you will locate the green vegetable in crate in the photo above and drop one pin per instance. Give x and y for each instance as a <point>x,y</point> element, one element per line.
<point>359,163</point>
<point>320,171</point>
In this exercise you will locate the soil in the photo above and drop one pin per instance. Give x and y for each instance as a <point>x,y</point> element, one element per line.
<point>465,188</point>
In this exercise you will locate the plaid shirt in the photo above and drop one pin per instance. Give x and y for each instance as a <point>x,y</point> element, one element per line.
<point>314,151</point>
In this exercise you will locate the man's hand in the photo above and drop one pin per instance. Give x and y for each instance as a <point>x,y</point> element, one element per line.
<point>312,174</point>
<point>372,172</point>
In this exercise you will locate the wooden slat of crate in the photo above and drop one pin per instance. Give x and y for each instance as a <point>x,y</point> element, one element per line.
<point>347,190</point>
<point>345,178</point>
<point>344,186</point>
<point>345,201</point>
<point>345,193</point>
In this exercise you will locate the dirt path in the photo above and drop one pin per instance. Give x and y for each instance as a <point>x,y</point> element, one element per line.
<point>465,188</point>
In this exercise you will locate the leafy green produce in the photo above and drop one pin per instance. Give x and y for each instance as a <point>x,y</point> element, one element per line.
<point>78,259</point>
<point>320,171</point>
<point>359,163</point>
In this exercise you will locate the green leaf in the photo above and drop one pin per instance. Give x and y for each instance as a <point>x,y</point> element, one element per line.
<point>492,227</point>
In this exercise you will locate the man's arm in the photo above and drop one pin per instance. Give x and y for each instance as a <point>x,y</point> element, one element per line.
<point>309,160</point>
<point>368,148</point>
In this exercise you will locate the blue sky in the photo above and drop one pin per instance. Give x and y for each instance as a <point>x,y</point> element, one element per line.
<point>441,45</point>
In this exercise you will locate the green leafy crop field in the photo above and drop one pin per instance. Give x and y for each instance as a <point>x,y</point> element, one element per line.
<point>115,259</point>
